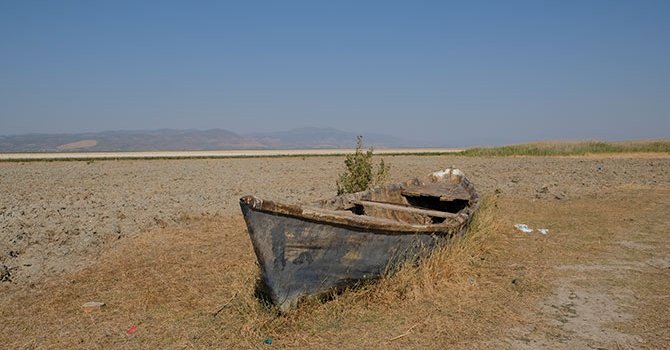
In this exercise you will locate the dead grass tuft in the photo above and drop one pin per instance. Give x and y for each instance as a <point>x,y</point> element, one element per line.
<point>448,266</point>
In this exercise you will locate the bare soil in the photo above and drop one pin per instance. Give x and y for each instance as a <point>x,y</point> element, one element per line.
<point>163,244</point>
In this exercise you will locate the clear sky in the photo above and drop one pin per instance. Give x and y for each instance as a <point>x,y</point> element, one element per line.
<point>456,73</point>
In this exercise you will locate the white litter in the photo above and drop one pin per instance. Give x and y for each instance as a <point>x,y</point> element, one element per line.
<point>93,305</point>
<point>523,228</point>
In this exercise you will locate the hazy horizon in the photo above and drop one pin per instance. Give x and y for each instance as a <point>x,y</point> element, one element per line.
<point>481,73</point>
<point>411,142</point>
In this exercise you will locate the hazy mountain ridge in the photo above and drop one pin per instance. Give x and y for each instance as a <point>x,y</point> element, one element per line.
<point>179,140</point>
<point>310,137</point>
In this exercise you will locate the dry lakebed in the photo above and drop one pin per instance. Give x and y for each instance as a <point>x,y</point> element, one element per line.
<point>599,279</point>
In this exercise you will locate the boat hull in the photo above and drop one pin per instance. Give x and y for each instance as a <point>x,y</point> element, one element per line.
<point>300,257</point>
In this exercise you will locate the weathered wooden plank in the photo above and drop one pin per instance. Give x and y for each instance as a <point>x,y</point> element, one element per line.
<point>396,207</point>
<point>444,191</point>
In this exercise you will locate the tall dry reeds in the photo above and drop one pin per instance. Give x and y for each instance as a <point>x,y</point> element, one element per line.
<point>570,148</point>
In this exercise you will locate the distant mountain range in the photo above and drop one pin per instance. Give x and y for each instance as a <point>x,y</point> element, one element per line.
<point>179,140</point>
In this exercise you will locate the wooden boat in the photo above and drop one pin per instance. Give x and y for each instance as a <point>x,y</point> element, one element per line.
<point>314,249</point>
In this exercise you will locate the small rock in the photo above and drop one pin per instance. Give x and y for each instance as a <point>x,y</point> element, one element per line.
<point>5,275</point>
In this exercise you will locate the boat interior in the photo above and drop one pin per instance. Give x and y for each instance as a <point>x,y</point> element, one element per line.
<point>413,202</point>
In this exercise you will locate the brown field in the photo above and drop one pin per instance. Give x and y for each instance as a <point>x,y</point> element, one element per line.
<point>163,244</point>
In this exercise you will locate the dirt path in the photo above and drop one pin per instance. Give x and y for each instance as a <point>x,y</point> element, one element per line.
<point>608,276</point>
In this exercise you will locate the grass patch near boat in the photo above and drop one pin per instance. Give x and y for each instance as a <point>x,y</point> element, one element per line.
<point>447,266</point>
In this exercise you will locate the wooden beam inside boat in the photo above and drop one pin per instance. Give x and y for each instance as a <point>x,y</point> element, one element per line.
<point>389,206</point>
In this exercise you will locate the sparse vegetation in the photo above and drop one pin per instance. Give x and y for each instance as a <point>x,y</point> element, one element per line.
<point>528,149</point>
<point>360,174</point>
<point>570,148</point>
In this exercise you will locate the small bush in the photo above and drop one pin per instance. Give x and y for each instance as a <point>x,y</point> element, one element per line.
<point>359,175</point>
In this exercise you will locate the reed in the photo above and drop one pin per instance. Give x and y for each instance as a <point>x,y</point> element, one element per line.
<point>570,148</point>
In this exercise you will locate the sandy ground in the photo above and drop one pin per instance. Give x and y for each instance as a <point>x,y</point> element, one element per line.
<point>57,218</point>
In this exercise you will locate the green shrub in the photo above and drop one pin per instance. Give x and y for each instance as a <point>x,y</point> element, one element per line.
<point>359,174</point>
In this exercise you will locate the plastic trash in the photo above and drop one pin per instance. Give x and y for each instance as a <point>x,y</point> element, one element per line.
<point>132,330</point>
<point>93,305</point>
<point>523,228</point>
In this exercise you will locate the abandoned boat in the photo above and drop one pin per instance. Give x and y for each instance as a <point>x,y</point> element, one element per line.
<point>313,249</point>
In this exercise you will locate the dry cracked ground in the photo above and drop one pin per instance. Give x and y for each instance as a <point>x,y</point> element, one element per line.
<point>163,244</point>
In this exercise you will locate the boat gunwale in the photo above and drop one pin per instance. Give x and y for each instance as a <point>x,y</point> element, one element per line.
<point>355,222</point>
<point>342,217</point>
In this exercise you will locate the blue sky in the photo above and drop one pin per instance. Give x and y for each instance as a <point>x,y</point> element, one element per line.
<point>453,73</point>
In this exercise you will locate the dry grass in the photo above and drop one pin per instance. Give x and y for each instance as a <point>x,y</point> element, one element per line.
<point>171,282</point>
<point>447,268</point>
<point>571,148</point>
